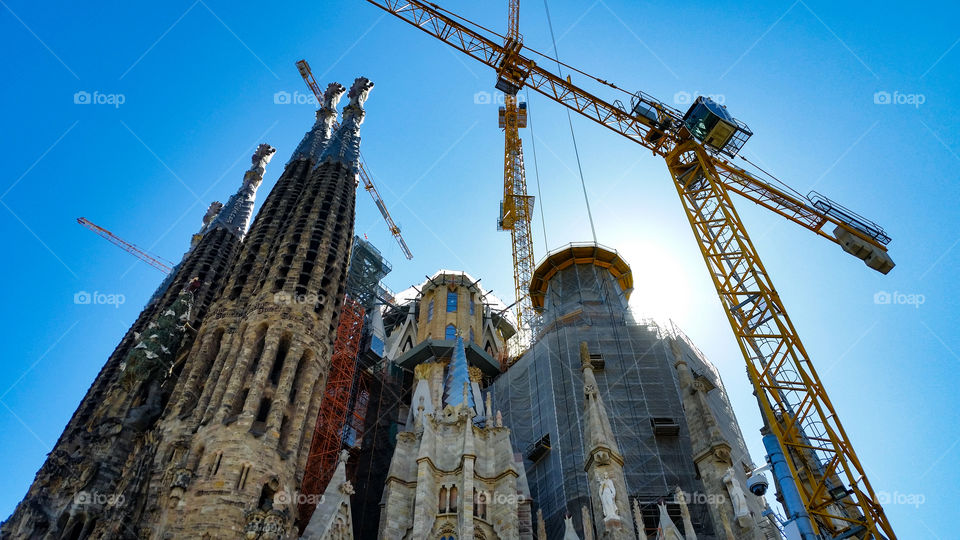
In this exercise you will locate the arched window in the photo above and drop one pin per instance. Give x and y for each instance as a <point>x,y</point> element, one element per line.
<point>453,499</point>
<point>442,506</point>
<point>451,301</point>
<point>471,335</point>
<point>430,311</point>
<point>473,305</point>
<point>451,332</point>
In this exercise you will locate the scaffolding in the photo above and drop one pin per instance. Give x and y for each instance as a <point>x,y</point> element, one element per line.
<point>633,368</point>
<point>367,268</point>
<point>346,398</point>
<point>334,409</point>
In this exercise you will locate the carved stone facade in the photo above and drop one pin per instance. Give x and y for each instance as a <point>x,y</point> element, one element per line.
<point>216,445</point>
<point>451,476</point>
<point>719,460</point>
<point>332,518</point>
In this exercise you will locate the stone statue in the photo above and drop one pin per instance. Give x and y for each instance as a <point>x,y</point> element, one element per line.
<point>608,497</point>
<point>737,498</point>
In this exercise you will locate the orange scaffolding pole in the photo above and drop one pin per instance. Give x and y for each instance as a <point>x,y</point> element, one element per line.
<point>334,408</point>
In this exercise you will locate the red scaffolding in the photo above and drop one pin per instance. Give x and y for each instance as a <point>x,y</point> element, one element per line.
<point>334,408</point>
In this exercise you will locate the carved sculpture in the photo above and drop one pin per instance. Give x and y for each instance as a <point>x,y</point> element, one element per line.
<point>608,497</point>
<point>737,498</point>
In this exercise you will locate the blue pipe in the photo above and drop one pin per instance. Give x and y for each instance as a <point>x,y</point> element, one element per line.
<point>792,502</point>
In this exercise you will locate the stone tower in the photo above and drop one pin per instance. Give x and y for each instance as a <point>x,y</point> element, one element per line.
<point>417,334</point>
<point>76,491</point>
<point>641,415</point>
<point>236,440</point>
<point>450,476</point>
<point>202,430</point>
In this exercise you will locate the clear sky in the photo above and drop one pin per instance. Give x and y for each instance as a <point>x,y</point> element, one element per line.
<point>198,79</point>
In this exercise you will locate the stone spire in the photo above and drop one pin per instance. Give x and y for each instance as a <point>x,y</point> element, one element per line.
<point>457,376</point>
<point>344,146</point>
<point>332,518</point>
<point>235,215</point>
<point>689,533</point>
<point>603,461</point>
<point>315,140</point>
<point>597,432</point>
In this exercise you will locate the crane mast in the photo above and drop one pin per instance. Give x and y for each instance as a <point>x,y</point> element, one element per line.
<point>516,210</point>
<point>698,147</point>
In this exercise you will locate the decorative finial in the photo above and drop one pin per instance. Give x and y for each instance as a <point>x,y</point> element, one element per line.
<point>261,156</point>
<point>331,96</point>
<point>212,211</point>
<point>358,94</point>
<point>344,145</point>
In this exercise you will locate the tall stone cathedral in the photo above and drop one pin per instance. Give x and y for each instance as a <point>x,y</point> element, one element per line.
<point>201,423</point>
<point>205,411</point>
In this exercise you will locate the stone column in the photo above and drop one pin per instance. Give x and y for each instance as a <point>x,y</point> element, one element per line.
<point>212,392</point>
<point>281,396</point>
<point>258,383</point>
<point>233,381</point>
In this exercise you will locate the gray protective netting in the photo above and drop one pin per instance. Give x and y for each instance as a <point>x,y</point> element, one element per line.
<point>542,394</point>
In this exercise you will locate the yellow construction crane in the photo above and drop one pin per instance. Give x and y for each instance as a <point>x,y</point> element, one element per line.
<point>698,147</point>
<point>516,209</point>
<point>307,75</point>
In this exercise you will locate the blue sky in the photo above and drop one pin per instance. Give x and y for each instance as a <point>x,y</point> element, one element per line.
<point>198,79</point>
